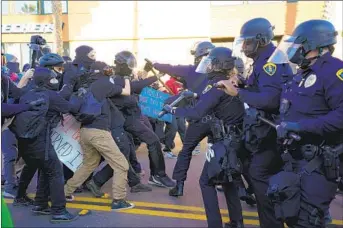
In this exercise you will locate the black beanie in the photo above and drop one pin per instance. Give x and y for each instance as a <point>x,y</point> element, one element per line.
<point>81,56</point>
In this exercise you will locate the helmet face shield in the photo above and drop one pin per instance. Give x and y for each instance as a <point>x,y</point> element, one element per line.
<point>286,51</point>
<point>247,45</point>
<point>131,62</point>
<point>205,66</point>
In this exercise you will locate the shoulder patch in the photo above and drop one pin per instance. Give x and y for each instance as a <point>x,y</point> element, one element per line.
<point>339,74</point>
<point>269,68</point>
<point>111,80</point>
<point>208,87</point>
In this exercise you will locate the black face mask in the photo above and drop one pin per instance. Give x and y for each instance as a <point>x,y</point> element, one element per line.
<point>52,86</point>
<point>58,75</point>
<point>123,70</point>
<point>299,58</point>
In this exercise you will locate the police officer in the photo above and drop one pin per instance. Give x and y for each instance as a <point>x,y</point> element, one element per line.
<point>312,106</point>
<point>197,130</point>
<point>39,153</point>
<point>218,65</point>
<point>262,95</point>
<point>125,62</point>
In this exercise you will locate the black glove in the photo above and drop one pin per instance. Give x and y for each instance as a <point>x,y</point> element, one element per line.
<point>35,105</point>
<point>169,109</point>
<point>286,127</point>
<point>148,66</point>
<point>189,94</point>
<point>252,113</point>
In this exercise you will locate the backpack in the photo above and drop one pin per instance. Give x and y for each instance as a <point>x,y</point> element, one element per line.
<point>90,107</point>
<point>30,124</point>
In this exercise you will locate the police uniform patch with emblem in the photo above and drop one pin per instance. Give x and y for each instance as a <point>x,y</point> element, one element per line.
<point>208,87</point>
<point>310,80</point>
<point>269,68</point>
<point>111,80</point>
<point>339,74</point>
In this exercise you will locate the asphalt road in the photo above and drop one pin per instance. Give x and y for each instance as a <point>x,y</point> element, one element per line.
<point>153,209</point>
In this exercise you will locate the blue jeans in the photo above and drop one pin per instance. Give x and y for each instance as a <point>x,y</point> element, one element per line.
<point>9,150</point>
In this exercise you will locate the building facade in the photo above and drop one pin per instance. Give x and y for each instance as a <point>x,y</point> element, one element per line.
<point>159,30</point>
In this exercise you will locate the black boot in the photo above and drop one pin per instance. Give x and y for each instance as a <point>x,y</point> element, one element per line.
<point>234,224</point>
<point>177,190</point>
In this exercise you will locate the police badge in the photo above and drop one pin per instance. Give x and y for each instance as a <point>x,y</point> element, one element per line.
<point>310,80</point>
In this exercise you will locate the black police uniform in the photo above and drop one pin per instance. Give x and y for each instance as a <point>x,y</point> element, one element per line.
<point>230,111</point>
<point>311,106</point>
<point>262,94</point>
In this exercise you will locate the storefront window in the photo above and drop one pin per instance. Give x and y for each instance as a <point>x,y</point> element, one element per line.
<point>26,7</point>
<point>47,7</point>
<point>4,7</point>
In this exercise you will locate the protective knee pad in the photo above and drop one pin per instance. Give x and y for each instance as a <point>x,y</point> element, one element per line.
<point>284,192</point>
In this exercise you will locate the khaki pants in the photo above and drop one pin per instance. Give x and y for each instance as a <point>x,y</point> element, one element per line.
<point>96,143</point>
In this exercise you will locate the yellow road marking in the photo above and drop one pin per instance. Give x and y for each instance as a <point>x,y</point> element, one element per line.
<point>158,205</point>
<point>158,213</point>
<point>148,212</point>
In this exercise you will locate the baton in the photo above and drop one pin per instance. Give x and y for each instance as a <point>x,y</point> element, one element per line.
<point>180,98</point>
<point>291,134</point>
<point>164,85</point>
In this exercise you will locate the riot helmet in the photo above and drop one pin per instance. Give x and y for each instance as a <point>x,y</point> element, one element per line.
<point>220,59</point>
<point>200,50</point>
<point>254,35</point>
<point>308,36</point>
<point>125,62</point>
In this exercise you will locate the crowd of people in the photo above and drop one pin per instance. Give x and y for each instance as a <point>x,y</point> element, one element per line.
<point>272,116</point>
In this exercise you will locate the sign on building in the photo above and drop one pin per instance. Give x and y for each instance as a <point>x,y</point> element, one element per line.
<point>151,103</point>
<point>27,28</point>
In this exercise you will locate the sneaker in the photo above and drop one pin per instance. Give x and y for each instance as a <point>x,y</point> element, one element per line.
<point>11,194</point>
<point>122,204</point>
<point>95,189</point>
<point>140,188</point>
<point>64,217</point>
<point>70,198</point>
<point>40,210</point>
<point>161,181</point>
<point>197,150</point>
<point>169,154</point>
<point>219,188</point>
<point>23,202</point>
